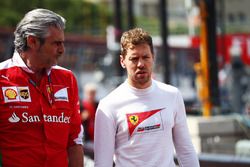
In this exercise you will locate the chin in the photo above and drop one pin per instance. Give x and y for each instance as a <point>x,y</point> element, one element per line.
<point>143,80</point>
<point>143,77</point>
<point>49,66</point>
<point>54,63</point>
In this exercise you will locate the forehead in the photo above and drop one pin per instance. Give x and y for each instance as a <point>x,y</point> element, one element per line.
<point>140,48</point>
<point>55,33</point>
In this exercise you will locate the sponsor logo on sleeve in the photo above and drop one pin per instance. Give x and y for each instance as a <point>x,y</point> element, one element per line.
<point>16,94</point>
<point>61,95</point>
<point>142,122</point>
<point>24,94</point>
<point>11,94</point>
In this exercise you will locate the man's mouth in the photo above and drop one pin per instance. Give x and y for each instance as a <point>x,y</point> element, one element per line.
<point>141,72</point>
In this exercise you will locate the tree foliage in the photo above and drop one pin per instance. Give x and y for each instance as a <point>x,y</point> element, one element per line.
<point>81,16</point>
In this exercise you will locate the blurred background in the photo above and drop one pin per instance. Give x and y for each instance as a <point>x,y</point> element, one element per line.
<point>201,46</point>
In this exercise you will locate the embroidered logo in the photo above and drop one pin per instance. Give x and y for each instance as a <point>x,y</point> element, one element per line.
<point>5,77</point>
<point>10,93</point>
<point>16,94</point>
<point>24,93</point>
<point>61,95</point>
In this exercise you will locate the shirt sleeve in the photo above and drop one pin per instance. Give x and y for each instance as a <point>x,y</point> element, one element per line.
<point>185,151</point>
<point>76,129</point>
<point>104,144</point>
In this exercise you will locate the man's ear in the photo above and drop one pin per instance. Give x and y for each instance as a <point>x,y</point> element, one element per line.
<point>32,41</point>
<point>122,61</point>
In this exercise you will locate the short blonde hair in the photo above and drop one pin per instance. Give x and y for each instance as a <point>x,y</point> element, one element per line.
<point>135,37</point>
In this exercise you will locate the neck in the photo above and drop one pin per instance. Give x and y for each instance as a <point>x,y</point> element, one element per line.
<point>140,85</point>
<point>38,72</point>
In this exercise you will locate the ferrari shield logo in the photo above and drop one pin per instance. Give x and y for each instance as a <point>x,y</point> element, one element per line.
<point>134,119</point>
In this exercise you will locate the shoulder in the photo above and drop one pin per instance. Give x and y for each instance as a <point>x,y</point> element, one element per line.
<point>60,68</point>
<point>63,76</point>
<point>114,96</point>
<point>167,91</point>
<point>61,71</point>
<point>165,87</point>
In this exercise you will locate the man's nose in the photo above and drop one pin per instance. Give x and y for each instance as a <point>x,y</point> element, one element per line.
<point>61,49</point>
<point>140,63</point>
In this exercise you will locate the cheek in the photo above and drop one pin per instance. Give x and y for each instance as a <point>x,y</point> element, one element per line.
<point>130,66</point>
<point>47,50</point>
<point>131,70</point>
<point>149,64</point>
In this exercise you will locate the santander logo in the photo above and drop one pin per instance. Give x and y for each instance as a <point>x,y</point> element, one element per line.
<point>14,118</point>
<point>26,118</point>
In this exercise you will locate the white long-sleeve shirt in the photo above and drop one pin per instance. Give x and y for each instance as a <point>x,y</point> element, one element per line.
<point>142,127</point>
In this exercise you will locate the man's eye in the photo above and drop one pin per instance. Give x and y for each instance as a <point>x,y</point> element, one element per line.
<point>58,43</point>
<point>134,59</point>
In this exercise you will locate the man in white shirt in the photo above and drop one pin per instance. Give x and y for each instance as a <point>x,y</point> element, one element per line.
<point>141,122</point>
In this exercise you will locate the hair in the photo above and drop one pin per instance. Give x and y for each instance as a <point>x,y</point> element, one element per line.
<point>36,23</point>
<point>135,37</point>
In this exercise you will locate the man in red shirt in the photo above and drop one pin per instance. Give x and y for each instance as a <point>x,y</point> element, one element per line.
<point>40,124</point>
<point>89,105</point>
